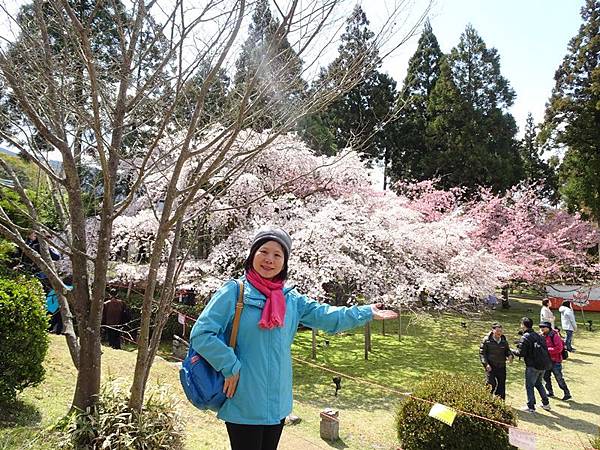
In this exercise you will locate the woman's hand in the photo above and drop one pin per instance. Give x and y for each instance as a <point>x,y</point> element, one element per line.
<point>382,314</point>
<point>230,385</point>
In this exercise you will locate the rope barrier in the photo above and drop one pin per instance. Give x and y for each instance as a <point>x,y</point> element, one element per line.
<point>391,390</point>
<point>409,395</point>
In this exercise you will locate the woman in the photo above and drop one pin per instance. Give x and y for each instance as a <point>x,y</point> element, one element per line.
<point>546,314</point>
<point>567,319</point>
<point>258,376</point>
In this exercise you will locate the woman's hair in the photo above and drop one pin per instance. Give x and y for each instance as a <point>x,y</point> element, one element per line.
<point>248,264</point>
<point>545,302</point>
<point>567,303</point>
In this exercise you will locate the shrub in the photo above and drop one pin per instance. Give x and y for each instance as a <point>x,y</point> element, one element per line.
<point>23,336</point>
<point>110,424</point>
<point>416,430</point>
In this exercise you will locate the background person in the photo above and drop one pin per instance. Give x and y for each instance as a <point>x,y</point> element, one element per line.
<point>534,373</point>
<point>258,375</point>
<point>569,325</point>
<point>546,314</point>
<point>494,351</point>
<point>555,347</point>
<point>115,314</point>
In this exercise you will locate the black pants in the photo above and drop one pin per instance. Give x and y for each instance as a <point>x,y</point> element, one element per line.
<point>114,337</point>
<point>56,323</point>
<point>496,378</point>
<point>254,437</point>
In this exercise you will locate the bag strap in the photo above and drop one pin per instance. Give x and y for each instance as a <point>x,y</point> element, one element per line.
<point>238,312</point>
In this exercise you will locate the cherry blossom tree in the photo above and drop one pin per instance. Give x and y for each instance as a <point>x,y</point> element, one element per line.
<point>544,244</point>
<point>164,154</point>
<point>351,242</point>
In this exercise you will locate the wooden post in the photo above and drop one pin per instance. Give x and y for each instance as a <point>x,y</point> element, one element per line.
<point>399,321</point>
<point>367,330</point>
<point>330,424</point>
<point>314,344</point>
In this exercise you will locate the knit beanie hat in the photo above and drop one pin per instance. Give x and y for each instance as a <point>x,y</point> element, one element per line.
<point>273,234</point>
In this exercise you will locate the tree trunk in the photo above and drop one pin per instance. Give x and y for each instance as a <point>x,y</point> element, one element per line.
<point>139,377</point>
<point>88,375</point>
<point>386,158</point>
<point>69,330</point>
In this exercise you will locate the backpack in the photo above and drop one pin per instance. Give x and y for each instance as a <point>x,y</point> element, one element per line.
<point>565,352</point>
<point>201,383</point>
<point>539,352</point>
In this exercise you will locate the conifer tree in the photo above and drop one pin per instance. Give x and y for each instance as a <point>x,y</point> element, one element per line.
<point>360,117</point>
<point>268,72</point>
<point>423,72</point>
<point>535,169</point>
<point>573,116</point>
<point>470,136</point>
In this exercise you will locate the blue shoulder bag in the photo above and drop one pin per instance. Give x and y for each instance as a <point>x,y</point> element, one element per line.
<point>202,384</point>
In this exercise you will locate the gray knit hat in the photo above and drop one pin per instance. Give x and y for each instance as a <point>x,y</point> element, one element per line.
<point>274,234</point>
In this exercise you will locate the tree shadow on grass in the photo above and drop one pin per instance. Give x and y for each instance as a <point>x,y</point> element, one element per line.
<point>580,361</point>
<point>586,407</point>
<point>552,419</point>
<point>391,364</point>
<point>19,413</point>
<point>578,352</point>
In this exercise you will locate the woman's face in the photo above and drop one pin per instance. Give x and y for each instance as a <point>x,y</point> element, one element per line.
<point>269,260</point>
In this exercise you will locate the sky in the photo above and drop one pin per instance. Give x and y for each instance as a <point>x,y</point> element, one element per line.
<point>531,37</point>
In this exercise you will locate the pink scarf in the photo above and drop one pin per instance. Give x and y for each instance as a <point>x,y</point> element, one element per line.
<point>273,313</point>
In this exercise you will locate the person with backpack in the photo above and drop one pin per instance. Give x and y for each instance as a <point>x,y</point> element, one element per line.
<point>568,322</point>
<point>532,347</point>
<point>555,348</point>
<point>494,351</point>
<point>258,370</point>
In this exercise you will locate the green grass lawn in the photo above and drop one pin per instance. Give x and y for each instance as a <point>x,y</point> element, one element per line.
<point>366,412</point>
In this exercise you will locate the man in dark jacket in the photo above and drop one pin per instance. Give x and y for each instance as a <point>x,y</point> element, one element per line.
<point>494,351</point>
<point>114,315</point>
<point>532,347</point>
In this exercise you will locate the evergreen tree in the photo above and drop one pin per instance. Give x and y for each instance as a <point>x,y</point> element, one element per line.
<point>476,73</point>
<point>422,75</point>
<point>358,118</point>
<point>573,116</point>
<point>215,102</point>
<point>535,169</point>
<point>454,152</point>
<point>479,148</point>
<point>268,72</point>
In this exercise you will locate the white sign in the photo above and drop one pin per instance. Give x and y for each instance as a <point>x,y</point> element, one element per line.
<point>570,292</point>
<point>181,318</point>
<point>521,439</point>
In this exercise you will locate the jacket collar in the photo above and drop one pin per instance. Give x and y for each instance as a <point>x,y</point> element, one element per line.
<point>491,337</point>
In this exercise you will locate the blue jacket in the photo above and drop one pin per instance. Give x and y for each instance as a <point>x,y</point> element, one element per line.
<point>52,301</point>
<point>262,357</point>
